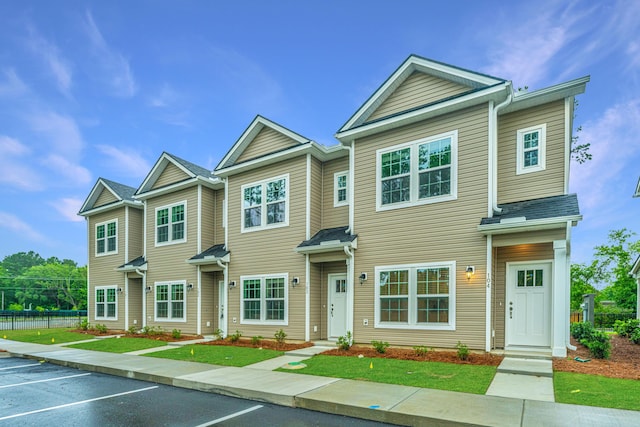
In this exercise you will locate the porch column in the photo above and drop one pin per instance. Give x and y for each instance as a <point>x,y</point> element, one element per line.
<point>560,315</point>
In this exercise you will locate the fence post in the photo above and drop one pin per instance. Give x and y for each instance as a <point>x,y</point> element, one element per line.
<point>48,319</point>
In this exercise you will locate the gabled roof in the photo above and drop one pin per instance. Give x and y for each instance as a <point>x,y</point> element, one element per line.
<point>139,263</point>
<point>122,193</point>
<point>193,172</point>
<point>637,189</point>
<point>211,255</point>
<point>328,239</point>
<point>546,212</point>
<point>473,80</point>
<point>635,269</point>
<point>257,125</point>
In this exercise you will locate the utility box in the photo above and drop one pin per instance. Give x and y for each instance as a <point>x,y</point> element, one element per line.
<point>588,308</point>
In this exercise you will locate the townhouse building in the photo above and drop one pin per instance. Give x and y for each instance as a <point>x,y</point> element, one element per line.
<point>442,215</point>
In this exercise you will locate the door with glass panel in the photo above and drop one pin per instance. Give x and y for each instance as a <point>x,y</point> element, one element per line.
<point>528,321</point>
<point>337,305</point>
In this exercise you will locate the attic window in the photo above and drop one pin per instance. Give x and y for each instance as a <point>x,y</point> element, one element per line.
<point>531,149</point>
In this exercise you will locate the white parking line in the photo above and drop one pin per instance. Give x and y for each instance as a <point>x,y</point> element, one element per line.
<point>19,366</point>
<point>53,408</point>
<point>228,417</point>
<point>44,381</point>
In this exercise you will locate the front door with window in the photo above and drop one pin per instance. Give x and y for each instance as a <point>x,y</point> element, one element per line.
<point>528,310</point>
<point>337,305</point>
<point>221,322</point>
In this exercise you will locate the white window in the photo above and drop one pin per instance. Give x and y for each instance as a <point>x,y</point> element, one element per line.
<point>170,301</point>
<point>171,224</point>
<point>264,299</point>
<point>531,150</point>
<point>265,204</point>
<point>340,189</point>
<point>106,303</point>
<point>418,172</point>
<point>416,296</point>
<point>107,238</point>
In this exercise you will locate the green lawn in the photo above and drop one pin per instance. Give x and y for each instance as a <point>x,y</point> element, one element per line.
<point>120,345</point>
<point>443,376</point>
<point>595,390</point>
<point>45,336</point>
<point>218,354</point>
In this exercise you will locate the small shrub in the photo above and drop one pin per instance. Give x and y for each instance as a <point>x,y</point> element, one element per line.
<point>280,336</point>
<point>235,337</point>
<point>218,334</point>
<point>581,330</point>
<point>101,328</point>
<point>15,307</point>
<point>84,325</point>
<point>380,346</point>
<point>256,340</point>
<point>463,351</point>
<point>345,341</point>
<point>420,350</point>
<point>151,330</point>
<point>176,334</point>
<point>626,328</point>
<point>132,330</point>
<point>635,336</point>
<point>598,344</point>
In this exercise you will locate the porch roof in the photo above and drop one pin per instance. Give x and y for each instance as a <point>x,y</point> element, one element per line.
<point>327,240</point>
<point>211,255</point>
<point>139,263</point>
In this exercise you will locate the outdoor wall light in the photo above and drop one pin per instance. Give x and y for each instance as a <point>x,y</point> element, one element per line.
<point>119,290</point>
<point>189,286</point>
<point>362,277</point>
<point>471,270</point>
<point>295,282</point>
<point>232,284</point>
<point>147,289</point>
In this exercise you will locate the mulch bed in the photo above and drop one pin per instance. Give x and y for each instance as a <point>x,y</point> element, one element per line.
<point>163,336</point>
<point>266,344</point>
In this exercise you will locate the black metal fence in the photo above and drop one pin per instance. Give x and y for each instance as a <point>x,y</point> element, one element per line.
<point>603,320</point>
<point>33,319</point>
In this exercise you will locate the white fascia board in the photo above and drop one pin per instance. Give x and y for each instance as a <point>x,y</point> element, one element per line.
<point>479,97</point>
<point>532,225</point>
<point>637,189</point>
<point>168,189</point>
<point>208,260</point>
<point>132,268</point>
<point>635,270</point>
<point>548,94</point>
<point>333,247</point>
<point>105,208</point>
<point>154,173</point>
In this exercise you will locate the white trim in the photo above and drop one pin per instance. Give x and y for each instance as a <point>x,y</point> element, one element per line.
<point>528,225</point>
<point>307,298</point>
<point>106,237</point>
<point>542,150</point>
<point>307,204</point>
<point>198,220</point>
<point>330,278</point>
<point>95,302</point>
<point>489,285</point>
<point>169,224</point>
<point>412,297</point>
<point>199,301</point>
<point>263,306</point>
<point>568,124</point>
<point>336,189</point>
<point>263,204</point>
<point>414,172</point>
<point>169,301</point>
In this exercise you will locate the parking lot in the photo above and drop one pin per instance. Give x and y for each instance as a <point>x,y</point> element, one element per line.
<point>35,394</point>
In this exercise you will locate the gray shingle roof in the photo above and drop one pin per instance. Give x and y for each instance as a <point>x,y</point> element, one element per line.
<point>546,207</point>
<point>138,262</point>
<point>329,235</point>
<point>192,167</point>
<point>216,251</point>
<point>123,191</point>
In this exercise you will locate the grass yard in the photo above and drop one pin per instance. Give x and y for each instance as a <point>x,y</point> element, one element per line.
<point>45,336</point>
<point>218,354</point>
<point>119,345</point>
<point>595,390</point>
<point>437,375</point>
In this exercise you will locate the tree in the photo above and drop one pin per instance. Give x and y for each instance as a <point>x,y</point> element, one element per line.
<point>61,286</point>
<point>17,264</point>
<point>583,280</point>
<point>614,261</point>
<point>579,152</point>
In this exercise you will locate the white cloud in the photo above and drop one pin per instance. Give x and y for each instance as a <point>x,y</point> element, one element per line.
<point>170,103</point>
<point>126,162</point>
<point>50,54</point>
<point>13,85</point>
<point>62,131</point>
<point>14,170</point>
<point>64,167</point>
<point>20,228</point>
<point>68,208</point>
<point>115,66</point>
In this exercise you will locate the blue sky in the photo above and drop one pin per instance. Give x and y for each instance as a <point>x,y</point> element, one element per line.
<point>94,89</point>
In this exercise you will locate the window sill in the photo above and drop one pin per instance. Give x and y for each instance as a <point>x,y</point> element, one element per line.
<point>266,323</point>
<point>431,200</point>
<point>428,327</point>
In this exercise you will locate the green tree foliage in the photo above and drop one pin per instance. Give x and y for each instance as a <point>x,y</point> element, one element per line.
<point>583,280</point>
<point>17,264</point>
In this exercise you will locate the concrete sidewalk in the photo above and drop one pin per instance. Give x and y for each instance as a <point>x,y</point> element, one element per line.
<point>374,401</point>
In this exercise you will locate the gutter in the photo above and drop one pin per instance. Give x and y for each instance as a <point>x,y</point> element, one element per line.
<point>144,296</point>
<point>350,189</point>
<point>225,275</point>
<point>493,149</point>
<point>351,290</point>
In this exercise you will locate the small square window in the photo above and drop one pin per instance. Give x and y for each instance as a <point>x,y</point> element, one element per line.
<point>340,189</point>
<point>531,149</point>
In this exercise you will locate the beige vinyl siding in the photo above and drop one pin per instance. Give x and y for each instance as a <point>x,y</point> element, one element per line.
<point>168,262</point>
<point>436,232</point>
<point>316,196</point>
<point>209,293</point>
<point>540,236</point>
<point>417,90</point>
<point>333,217</point>
<point>549,182</point>
<point>105,198</point>
<point>269,251</point>
<point>337,267</point>
<point>267,141</point>
<point>316,312</point>
<point>528,252</point>
<point>170,175</point>
<point>207,218</point>
<point>134,296</point>
<point>136,231</point>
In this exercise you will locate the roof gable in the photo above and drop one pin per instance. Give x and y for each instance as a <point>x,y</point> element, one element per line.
<point>262,137</point>
<point>431,75</point>
<point>170,169</point>
<point>637,189</point>
<point>107,193</point>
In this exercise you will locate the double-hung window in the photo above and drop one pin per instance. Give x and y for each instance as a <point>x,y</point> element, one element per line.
<point>265,204</point>
<point>264,299</point>
<point>417,296</point>
<point>531,149</point>
<point>106,303</point>
<point>340,189</point>
<point>171,224</point>
<point>418,172</point>
<point>170,301</point>
<point>107,238</point>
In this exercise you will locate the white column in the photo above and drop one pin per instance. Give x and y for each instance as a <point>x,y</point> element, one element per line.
<point>560,315</point>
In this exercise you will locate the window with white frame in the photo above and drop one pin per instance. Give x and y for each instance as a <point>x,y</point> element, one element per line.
<point>340,189</point>
<point>170,301</point>
<point>419,296</point>
<point>171,224</point>
<point>107,238</point>
<point>264,299</point>
<point>265,204</point>
<point>531,150</point>
<point>418,172</point>
<point>106,303</point>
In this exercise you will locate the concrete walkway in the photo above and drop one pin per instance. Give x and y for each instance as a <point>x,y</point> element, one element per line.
<point>374,401</point>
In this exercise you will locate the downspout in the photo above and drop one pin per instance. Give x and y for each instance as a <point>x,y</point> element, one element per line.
<point>350,288</point>
<point>307,284</point>
<point>126,276</point>
<point>350,189</point>
<point>567,334</point>
<point>198,271</point>
<point>223,325</point>
<point>144,296</point>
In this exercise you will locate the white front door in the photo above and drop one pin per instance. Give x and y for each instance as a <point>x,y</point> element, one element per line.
<point>221,320</point>
<point>337,305</point>
<point>528,311</point>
